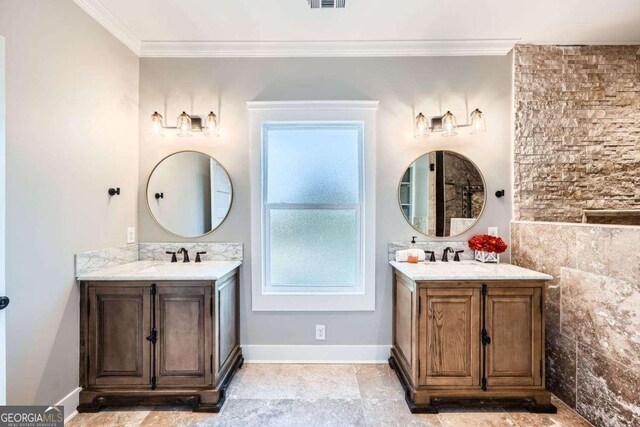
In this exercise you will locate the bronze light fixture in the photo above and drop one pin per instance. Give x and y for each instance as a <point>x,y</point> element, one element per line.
<point>447,124</point>
<point>186,125</point>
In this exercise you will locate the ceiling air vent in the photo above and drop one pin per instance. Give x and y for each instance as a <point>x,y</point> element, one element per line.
<point>326,4</point>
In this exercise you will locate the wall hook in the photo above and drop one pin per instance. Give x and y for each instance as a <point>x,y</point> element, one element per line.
<point>114,191</point>
<point>500,193</point>
<point>413,239</point>
<point>159,196</point>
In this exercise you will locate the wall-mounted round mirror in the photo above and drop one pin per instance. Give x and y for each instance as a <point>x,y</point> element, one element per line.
<point>442,194</point>
<point>189,193</point>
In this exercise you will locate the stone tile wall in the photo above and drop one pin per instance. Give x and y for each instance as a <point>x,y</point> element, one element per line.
<point>592,312</point>
<point>577,130</point>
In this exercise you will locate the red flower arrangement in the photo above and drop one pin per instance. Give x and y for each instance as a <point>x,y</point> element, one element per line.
<point>486,243</point>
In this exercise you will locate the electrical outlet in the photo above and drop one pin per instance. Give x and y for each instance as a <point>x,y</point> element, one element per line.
<point>131,235</point>
<point>320,332</point>
<point>492,231</point>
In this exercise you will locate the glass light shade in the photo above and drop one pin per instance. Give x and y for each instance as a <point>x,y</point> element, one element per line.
<point>449,124</point>
<point>156,124</point>
<point>184,125</point>
<point>211,124</point>
<point>477,122</point>
<point>421,126</point>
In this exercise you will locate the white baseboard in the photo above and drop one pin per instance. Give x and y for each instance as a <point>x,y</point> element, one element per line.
<point>316,353</point>
<point>70,403</point>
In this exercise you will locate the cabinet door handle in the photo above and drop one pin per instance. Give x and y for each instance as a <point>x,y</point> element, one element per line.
<point>4,302</point>
<point>153,337</point>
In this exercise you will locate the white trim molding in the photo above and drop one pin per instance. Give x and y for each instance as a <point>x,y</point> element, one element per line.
<point>70,403</point>
<point>108,20</point>
<point>361,111</point>
<point>323,49</point>
<point>316,353</point>
<point>312,105</point>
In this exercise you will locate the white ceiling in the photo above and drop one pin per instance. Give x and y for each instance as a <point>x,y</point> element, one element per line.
<point>244,21</point>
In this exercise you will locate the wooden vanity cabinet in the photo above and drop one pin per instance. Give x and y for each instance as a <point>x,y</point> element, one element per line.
<point>158,342</point>
<point>469,342</point>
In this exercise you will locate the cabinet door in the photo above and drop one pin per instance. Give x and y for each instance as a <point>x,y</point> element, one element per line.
<point>449,337</point>
<point>514,324</point>
<point>184,349</point>
<point>118,323</point>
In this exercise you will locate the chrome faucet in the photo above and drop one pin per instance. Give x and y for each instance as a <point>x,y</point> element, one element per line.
<point>447,250</point>
<point>185,253</point>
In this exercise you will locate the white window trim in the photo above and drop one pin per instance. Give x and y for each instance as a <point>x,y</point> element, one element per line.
<point>306,111</point>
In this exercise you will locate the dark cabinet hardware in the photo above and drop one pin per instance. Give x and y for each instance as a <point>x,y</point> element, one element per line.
<point>445,253</point>
<point>4,302</point>
<point>432,258</point>
<point>159,196</point>
<point>413,239</point>
<point>457,255</point>
<point>153,338</point>
<point>173,256</point>
<point>500,193</point>
<point>185,254</point>
<point>484,337</point>
<point>114,191</point>
<point>198,256</point>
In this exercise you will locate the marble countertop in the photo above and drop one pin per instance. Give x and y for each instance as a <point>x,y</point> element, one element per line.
<point>466,270</point>
<point>162,270</point>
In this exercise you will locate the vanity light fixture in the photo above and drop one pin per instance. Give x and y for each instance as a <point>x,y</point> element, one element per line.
<point>477,122</point>
<point>447,124</point>
<point>421,126</point>
<point>186,124</point>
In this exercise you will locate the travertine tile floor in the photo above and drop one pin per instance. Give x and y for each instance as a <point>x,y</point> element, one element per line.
<point>321,395</point>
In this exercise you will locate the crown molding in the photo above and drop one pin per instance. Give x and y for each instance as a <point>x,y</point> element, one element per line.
<point>108,20</point>
<point>315,105</point>
<point>283,49</point>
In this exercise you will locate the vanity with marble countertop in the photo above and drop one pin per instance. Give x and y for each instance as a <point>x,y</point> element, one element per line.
<point>468,331</point>
<point>158,332</point>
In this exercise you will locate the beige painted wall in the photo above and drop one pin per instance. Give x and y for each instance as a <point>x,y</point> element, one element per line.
<point>432,85</point>
<point>72,118</point>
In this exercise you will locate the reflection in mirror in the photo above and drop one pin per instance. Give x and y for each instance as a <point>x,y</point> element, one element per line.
<point>442,194</point>
<point>189,193</point>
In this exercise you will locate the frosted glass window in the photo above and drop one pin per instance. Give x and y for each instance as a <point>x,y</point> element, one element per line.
<point>312,204</point>
<point>313,247</point>
<point>309,164</point>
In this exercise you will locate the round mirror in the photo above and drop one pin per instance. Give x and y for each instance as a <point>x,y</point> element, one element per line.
<point>189,193</point>
<point>442,194</point>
